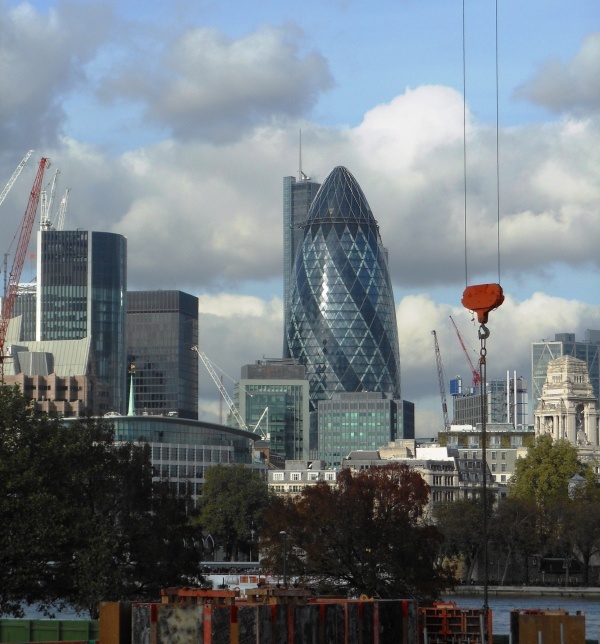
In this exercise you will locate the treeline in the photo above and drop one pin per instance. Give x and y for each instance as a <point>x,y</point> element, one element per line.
<point>547,515</point>
<point>82,520</point>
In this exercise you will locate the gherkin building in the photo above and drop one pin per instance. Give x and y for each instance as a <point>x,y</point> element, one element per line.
<point>342,322</point>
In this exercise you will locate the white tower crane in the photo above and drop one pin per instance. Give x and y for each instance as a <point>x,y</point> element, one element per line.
<point>46,205</point>
<point>62,209</point>
<point>236,414</point>
<point>15,174</point>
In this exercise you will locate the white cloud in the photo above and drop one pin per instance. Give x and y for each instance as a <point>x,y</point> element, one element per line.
<point>42,58</point>
<point>572,86</point>
<point>214,88</point>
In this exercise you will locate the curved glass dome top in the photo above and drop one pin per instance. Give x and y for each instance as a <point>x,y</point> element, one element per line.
<point>342,314</point>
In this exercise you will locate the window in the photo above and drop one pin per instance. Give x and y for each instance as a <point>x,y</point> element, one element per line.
<point>493,467</point>
<point>503,467</point>
<point>278,476</point>
<point>330,476</point>
<point>437,480</point>
<point>296,476</point>
<point>494,456</point>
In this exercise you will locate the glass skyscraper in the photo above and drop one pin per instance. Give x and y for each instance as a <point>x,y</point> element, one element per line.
<point>81,286</point>
<point>342,322</point>
<point>297,198</point>
<point>162,328</point>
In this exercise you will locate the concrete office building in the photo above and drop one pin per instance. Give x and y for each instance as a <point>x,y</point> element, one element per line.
<point>81,288</point>
<point>342,323</point>
<point>272,397</point>
<point>161,329</point>
<point>298,195</point>
<point>565,344</point>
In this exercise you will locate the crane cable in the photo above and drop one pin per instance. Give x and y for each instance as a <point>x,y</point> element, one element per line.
<point>482,299</point>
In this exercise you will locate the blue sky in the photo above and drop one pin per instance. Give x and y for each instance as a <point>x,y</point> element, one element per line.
<point>173,123</point>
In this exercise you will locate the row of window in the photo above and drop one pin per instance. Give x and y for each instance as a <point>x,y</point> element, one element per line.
<point>164,453</point>
<point>310,476</point>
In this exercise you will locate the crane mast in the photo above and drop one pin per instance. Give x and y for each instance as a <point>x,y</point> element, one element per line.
<point>62,209</point>
<point>474,373</point>
<point>15,273</point>
<point>232,408</point>
<point>15,174</point>
<point>440,370</point>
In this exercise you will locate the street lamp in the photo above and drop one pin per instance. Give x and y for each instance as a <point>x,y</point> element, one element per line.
<point>283,533</point>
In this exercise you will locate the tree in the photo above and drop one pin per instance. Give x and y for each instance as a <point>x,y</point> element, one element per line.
<point>230,508</point>
<point>82,519</point>
<point>515,531</point>
<point>543,474</point>
<point>461,523</point>
<point>368,534</point>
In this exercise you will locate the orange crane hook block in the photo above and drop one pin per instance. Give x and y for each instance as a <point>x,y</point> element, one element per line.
<point>482,298</point>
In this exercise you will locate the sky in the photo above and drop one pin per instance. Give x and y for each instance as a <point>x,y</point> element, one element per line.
<point>174,122</point>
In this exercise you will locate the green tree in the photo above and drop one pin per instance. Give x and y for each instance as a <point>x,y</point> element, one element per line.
<point>231,505</point>
<point>543,474</point>
<point>82,520</point>
<point>515,533</point>
<point>367,533</point>
<point>461,523</point>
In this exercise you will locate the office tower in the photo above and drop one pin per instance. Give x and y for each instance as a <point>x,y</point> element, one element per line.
<point>564,344</point>
<point>342,322</point>
<point>272,397</point>
<point>297,198</point>
<point>356,421</point>
<point>161,329</point>
<point>25,306</point>
<point>506,401</point>
<point>81,287</point>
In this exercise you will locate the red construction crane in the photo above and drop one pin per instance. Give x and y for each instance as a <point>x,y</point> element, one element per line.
<point>15,274</point>
<point>440,370</point>
<point>474,372</point>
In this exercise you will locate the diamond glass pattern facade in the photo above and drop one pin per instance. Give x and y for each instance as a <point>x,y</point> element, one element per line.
<point>342,322</point>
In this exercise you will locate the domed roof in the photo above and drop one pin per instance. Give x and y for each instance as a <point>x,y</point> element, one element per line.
<point>340,198</point>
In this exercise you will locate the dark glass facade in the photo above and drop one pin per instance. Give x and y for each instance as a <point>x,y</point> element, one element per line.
<point>161,329</point>
<point>297,198</point>
<point>342,322</point>
<point>81,292</point>
<point>182,450</point>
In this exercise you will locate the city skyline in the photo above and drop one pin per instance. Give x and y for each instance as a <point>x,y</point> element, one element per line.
<point>183,153</point>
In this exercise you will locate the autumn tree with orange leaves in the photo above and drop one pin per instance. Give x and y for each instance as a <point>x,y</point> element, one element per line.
<point>366,535</point>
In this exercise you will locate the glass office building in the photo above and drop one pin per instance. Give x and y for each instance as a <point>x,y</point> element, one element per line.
<point>356,421</point>
<point>342,322</point>
<point>182,450</point>
<point>297,198</point>
<point>564,344</point>
<point>161,329</point>
<point>272,397</point>
<point>81,286</point>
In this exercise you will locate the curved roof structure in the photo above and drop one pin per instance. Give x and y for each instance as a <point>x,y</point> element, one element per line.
<point>342,320</point>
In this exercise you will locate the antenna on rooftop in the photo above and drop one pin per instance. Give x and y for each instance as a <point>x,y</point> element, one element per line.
<point>301,175</point>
